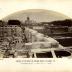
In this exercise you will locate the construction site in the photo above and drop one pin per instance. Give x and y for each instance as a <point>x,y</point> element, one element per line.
<point>33,40</point>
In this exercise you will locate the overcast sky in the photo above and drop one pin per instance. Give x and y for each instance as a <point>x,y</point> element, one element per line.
<point>10,6</point>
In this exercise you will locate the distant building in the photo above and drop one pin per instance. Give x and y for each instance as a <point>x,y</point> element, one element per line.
<point>34,25</point>
<point>14,22</point>
<point>28,21</point>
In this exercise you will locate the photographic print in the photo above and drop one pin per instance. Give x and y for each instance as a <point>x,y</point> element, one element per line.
<point>35,35</point>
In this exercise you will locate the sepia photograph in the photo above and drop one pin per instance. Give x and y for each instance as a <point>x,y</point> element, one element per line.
<point>35,35</point>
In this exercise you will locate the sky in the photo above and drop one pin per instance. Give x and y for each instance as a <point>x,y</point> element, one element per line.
<point>8,7</point>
